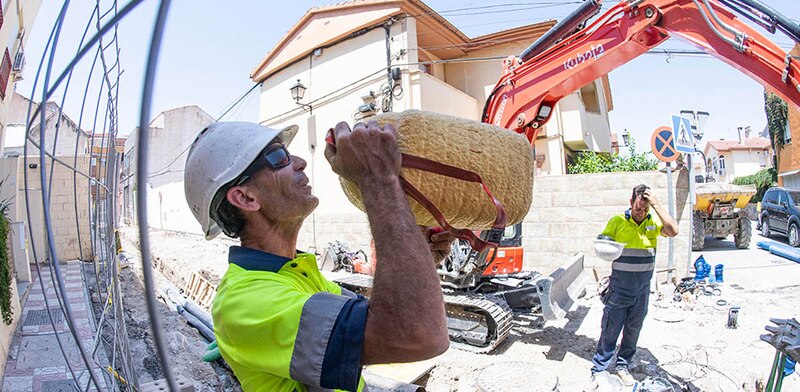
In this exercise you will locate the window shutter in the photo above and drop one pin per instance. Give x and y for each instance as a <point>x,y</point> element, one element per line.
<point>5,72</point>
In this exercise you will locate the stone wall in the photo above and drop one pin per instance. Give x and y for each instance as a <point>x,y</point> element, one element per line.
<point>63,201</point>
<point>567,214</point>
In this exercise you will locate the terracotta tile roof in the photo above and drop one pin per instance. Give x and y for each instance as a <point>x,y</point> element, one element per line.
<point>325,25</point>
<point>747,144</point>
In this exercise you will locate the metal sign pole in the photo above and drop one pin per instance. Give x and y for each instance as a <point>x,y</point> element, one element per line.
<point>691,210</point>
<point>671,207</point>
<point>663,146</point>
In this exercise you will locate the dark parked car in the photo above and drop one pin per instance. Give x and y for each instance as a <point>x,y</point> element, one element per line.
<point>780,213</point>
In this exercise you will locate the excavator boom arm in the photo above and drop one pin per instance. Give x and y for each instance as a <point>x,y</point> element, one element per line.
<point>524,97</point>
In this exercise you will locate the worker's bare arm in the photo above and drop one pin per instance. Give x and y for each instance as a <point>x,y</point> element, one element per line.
<point>406,318</point>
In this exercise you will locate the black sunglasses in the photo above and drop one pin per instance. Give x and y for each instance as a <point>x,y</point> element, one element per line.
<point>275,156</point>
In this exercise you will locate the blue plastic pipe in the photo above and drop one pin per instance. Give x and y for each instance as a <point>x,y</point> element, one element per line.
<point>783,250</point>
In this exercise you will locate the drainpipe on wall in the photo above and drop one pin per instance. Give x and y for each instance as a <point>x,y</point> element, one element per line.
<point>389,81</point>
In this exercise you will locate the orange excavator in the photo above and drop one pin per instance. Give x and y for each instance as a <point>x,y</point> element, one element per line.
<point>484,290</point>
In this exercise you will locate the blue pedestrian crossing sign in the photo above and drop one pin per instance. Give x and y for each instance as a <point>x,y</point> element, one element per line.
<point>682,134</point>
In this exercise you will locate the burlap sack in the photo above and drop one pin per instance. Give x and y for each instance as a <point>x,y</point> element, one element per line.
<point>502,158</point>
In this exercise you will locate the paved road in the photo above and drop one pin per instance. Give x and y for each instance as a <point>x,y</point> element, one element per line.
<point>759,268</point>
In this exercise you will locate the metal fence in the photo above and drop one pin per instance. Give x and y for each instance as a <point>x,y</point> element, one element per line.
<point>98,47</point>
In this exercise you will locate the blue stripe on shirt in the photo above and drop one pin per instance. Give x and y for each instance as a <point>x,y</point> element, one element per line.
<point>341,367</point>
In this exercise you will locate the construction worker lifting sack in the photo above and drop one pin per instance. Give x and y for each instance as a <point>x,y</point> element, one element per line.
<point>279,323</point>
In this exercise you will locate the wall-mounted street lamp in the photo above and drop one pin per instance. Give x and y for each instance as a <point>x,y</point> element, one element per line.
<point>298,91</point>
<point>626,137</point>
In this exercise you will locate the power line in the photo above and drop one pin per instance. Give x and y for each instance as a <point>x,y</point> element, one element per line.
<point>239,100</point>
<point>530,5</point>
<point>158,172</point>
<point>509,10</point>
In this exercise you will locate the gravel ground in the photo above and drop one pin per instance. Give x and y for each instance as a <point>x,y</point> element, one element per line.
<point>686,343</point>
<point>185,345</point>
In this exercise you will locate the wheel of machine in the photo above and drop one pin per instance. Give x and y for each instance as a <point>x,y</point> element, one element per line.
<point>742,237</point>
<point>794,235</point>
<point>698,233</point>
<point>764,227</point>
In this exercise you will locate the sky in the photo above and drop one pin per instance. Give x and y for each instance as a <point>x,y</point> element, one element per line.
<point>209,51</point>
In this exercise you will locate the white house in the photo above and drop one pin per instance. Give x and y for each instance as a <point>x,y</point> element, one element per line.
<point>728,159</point>
<point>171,134</point>
<point>362,57</point>
<point>69,141</point>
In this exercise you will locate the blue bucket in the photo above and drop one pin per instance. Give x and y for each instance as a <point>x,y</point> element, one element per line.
<point>718,269</point>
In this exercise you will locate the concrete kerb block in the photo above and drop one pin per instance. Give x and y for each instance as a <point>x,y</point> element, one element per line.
<point>562,199</point>
<point>544,184</point>
<point>542,199</point>
<point>615,197</point>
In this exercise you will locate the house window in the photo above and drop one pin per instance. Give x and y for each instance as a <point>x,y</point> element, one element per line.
<point>721,164</point>
<point>787,134</point>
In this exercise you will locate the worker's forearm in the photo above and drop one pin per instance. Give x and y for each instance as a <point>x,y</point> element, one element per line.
<point>670,228</point>
<point>406,298</point>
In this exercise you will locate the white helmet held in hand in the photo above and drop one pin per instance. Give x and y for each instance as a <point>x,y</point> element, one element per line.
<point>607,249</point>
<point>219,154</point>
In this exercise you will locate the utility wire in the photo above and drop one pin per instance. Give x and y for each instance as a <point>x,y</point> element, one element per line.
<point>160,171</point>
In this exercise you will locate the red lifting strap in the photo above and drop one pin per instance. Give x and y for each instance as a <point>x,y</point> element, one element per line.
<point>419,163</point>
<point>415,162</point>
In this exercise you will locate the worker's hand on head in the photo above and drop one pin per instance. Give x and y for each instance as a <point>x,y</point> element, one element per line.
<point>367,154</point>
<point>440,242</point>
<point>650,197</point>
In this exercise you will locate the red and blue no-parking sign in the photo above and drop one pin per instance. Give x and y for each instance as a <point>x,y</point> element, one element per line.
<point>663,144</point>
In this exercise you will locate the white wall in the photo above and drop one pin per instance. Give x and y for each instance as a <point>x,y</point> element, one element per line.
<point>339,65</point>
<point>65,141</point>
<point>747,162</point>
<point>171,133</point>
<point>440,97</point>
<point>738,163</point>
<point>168,210</point>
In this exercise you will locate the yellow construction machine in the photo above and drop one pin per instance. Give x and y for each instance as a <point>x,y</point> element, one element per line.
<point>719,211</point>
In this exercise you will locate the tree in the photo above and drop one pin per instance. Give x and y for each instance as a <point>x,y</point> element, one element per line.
<point>763,180</point>
<point>592,162</point>
<point>777,120</point>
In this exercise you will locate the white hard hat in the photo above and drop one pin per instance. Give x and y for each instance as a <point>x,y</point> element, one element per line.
<point>608,250</point>
<point>218,155</point>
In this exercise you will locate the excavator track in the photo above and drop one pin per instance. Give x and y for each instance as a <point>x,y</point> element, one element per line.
<point>476,324</point>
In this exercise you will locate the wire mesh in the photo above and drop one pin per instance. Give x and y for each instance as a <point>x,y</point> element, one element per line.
<point>96,175</point>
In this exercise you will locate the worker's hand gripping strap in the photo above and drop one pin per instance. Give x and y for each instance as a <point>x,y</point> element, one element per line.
<point>419,163</point>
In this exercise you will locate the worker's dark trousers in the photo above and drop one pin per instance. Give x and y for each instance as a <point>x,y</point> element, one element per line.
<point>624,314</point>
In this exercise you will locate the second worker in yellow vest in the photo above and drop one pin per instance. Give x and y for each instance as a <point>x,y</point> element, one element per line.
<point>629,287</point>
